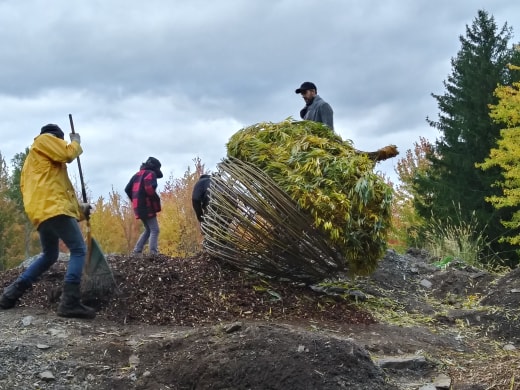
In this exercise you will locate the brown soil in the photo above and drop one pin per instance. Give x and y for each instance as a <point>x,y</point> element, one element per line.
<point>195,323</point>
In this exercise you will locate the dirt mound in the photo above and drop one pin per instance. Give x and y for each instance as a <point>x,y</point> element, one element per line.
<point>161,290</point>
<point>263,357</point>
<point>507,291</point>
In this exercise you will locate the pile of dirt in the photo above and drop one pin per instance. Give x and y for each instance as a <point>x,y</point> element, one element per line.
<point>196,323</point>
<point>161,290</point>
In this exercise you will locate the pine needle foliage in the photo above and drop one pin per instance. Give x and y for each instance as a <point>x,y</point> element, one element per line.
<point>468,133</point>
<point>328,179</point>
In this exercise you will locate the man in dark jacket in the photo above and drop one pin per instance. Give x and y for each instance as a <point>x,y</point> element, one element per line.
<point>200,196</point>
<point>141,189</point>
<point>316,109</point>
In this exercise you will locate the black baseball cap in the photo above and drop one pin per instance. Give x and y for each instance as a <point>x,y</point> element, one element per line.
<point>306,86</point>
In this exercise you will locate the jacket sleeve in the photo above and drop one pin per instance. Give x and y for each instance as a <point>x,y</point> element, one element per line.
<point>56,149</point>
<point>197,207</point>
<point>128,188</point>
<point>326,115</point>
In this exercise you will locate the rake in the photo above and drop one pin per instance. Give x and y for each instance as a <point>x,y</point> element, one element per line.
<point>98,277</point>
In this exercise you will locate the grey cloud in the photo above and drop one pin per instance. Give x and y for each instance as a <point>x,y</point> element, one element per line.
<point>134,72</point>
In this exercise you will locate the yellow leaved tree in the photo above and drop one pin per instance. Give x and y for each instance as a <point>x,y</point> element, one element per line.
<point>507,155</point>
<point>406,222</point>
<point>114,225</point>
<point>180,234</point>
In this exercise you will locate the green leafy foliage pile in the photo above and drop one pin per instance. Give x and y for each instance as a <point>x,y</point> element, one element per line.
<point>328,179</point>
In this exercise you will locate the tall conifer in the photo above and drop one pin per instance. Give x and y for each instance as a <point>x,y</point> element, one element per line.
<point>454,189</point>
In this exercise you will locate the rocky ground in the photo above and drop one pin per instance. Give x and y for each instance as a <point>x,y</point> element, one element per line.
<point>195,323</point>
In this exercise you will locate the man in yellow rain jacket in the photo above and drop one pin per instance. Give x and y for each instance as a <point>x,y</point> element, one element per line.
<point>52,206</point>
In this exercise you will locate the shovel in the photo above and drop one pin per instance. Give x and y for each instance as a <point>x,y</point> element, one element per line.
<point>99,278</point>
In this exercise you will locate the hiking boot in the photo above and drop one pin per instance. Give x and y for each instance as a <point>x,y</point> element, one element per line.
<point>71,306</point>
<point>12,293</point>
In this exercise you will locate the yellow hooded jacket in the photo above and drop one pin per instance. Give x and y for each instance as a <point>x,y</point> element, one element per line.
<point>46,188</point>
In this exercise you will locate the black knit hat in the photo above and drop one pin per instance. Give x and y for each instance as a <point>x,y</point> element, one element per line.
<point>155,165</point>
<point>54,130</point>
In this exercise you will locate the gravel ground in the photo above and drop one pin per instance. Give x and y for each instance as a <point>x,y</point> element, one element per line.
<point>195,323</point>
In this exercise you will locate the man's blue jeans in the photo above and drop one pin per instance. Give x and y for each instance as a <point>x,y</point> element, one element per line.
<point>51,230</point>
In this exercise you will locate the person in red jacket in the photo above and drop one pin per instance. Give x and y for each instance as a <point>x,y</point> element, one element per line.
<point>141,189</point>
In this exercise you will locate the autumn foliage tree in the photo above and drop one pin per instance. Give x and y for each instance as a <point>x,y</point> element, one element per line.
<point>113,224</point>
<point>180,231</point>
<point>116,229</point>
<point>406,222</point>
<point>507,156</point>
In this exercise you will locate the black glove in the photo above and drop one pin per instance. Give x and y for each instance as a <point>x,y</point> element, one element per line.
<point>85,209</point>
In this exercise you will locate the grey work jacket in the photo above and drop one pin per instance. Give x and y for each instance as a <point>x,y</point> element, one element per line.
<point>320,111</point>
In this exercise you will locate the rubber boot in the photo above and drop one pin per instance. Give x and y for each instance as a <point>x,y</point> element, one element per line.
<point>71,306</point>
<point>12,293</point>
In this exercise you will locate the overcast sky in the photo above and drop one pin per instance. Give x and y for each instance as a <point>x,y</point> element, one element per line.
<point>175,79</point>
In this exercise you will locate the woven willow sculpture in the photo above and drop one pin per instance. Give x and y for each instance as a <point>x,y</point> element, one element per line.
<point>293,199</point>
<point>254,225</point>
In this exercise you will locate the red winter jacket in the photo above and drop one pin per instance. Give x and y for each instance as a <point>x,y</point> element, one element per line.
<point>141,190</point>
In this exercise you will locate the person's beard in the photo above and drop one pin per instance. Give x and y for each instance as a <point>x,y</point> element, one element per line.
<point>308,101</point>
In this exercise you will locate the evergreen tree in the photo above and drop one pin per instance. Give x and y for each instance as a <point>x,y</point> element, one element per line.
<point>14,188</point>
<point>15,194</point>
<point>6,215</point>
<point>454,189</point>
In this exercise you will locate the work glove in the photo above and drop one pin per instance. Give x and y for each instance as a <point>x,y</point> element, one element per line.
<point>75,137</point>
<point>85,209</point>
